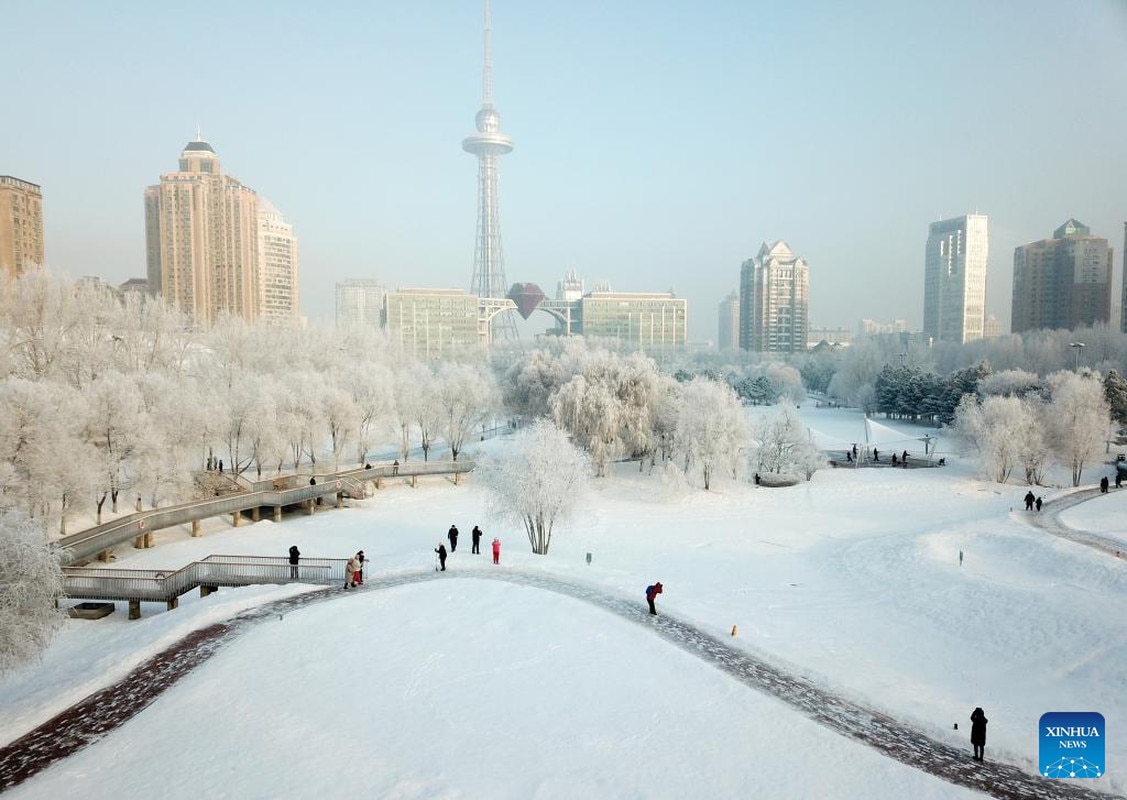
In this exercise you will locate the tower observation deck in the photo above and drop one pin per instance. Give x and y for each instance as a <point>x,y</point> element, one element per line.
<point>489,144</point>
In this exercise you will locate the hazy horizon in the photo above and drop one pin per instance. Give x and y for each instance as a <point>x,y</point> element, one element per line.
<point>656,145</point>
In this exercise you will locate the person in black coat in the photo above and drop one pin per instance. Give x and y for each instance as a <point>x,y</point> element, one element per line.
<point>476,533</point>
<point>295,556</point>
<point>441,550</point>
<point>452,535</point>
<point>1103,484</point>
<point>978,732</point>
<point>1029,498</point>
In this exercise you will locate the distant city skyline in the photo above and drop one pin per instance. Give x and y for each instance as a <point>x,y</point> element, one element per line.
<point>661,143</point>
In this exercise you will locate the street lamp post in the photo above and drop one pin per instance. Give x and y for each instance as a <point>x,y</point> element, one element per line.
<point>1077,346</point>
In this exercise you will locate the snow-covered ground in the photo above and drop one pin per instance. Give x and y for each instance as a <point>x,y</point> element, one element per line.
<point>469,688</point>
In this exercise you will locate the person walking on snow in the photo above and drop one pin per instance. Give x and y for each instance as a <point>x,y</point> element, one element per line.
<point>978,732</point>
<point>476,533</point>
<point>1103,484</point>
<point>496,551</point>
<point>1029,498</point>
<point>441,550</point>
<point>1038,503</point>
<point>350,570</point>
<point>651,594</point>
<point>452,535</point>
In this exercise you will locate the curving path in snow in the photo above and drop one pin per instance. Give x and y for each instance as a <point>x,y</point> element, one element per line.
<point>1049,521</point>
<point>98,715</point>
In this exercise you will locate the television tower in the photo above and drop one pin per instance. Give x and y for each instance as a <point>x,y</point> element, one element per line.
<point>489,144</point>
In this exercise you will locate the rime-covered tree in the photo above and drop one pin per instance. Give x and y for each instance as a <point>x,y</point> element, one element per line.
<point>467,398</point>
<point>1079,419</point>
<point>783,446</point>
<point>989,428</point>
<point>30,582</point>
<point>537,481</point>
<point>712,428</point>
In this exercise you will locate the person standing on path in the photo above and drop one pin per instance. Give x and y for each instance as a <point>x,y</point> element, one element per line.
<point>295,556</point>
<point>496,551</point>
<point>350,570</point>
<point>960,558</point>
<point>978,732</point>
<point>358,575</point>
<point>476,533</point>
<point>1038,503</point>
<point>441,550</point>
<point>1103,484</point>
<point>651,594</point>
<point>1029,498</point>
<point>452,535</point>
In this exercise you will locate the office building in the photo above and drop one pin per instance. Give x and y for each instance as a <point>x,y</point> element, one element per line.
<point>21,226</point>
<point>430,323</point>
<point>774,301</point>
<point>213,246</point>
<point>728,329</point>
<point>955,261</point>
<point>1062,282</point>
<point>644,320</point>
<point>360,304</point>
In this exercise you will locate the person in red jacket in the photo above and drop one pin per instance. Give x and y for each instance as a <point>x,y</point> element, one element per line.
<point>496,551</point>
<point>651,594</point>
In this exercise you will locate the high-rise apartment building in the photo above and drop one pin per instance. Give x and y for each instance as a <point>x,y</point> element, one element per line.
<point>955,279</point>
<point>277,265</point>
<point>1063,282</point>
<point>360,304</point>
<point>1123,306</point>
<point>213,246</point>
<point>21,226</point>
<point>728,329</point>
<point>774,301</point>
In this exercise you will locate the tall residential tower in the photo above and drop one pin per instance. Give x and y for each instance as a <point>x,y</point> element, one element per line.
<point>213,246</point>
<point>21,226</point>
<point>489,144</point>
<point>955,279</point>
<point>1063,282</point>
<point>774,301</point>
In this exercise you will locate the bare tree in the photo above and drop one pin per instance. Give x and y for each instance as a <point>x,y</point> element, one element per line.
<point>537,481</point>
<point>30,582</point>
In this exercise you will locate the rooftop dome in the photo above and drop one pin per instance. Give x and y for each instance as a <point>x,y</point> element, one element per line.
<point>199,144</point>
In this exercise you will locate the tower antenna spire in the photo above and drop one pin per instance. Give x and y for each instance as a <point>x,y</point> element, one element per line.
<point>487,69</point>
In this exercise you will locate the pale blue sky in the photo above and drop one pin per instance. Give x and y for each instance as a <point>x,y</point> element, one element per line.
<point>657,144</point>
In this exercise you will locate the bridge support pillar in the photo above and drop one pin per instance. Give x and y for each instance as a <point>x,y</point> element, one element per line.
<point>148,539</point>
<point>195,527</point>
<point>414,481</point>
<point>312,505</point>
<point>104,555</point>
<point>173,603</point>
<point>235,519</point>
<point>139,542</point>
<point>255,514</point>
<point>456,476</point>
<point>135,609</point>
<point>277,513</point>
<point>340,499</point>
<point>378,482</point>
<point>206,590</point>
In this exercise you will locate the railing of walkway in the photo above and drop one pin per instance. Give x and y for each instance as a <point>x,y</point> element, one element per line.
<point>278,492</point>
<point>92,583</point>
